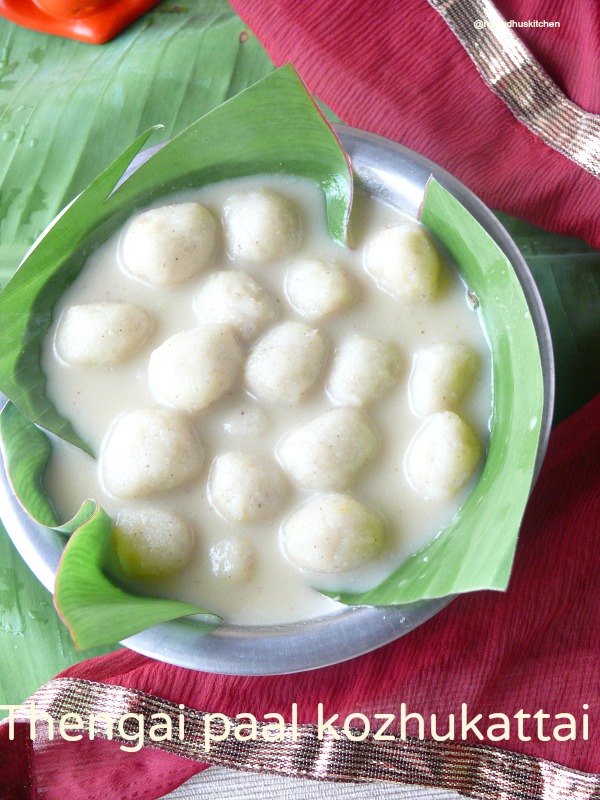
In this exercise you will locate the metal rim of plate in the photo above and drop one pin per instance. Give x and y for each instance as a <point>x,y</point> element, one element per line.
<point>398,176</point>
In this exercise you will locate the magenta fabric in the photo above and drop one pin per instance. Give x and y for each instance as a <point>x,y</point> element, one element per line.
<point>396,69</point>
<point>16,779</point>
<point>85,770</point>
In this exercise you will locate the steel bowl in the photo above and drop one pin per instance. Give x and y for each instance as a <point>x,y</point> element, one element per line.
<point>398,176</point>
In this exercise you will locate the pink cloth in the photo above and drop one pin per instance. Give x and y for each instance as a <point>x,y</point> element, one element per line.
<point>397,69</point>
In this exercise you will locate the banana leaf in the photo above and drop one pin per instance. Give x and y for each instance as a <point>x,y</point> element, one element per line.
<point>567,273</point>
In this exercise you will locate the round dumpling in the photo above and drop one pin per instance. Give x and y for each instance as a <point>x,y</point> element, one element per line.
<point>442,456</point>
<point>442,375</point>
<point>192,369</point>
<point>170,244</point>
<point>286,363</point>
<point>261,226</point>
<point>152,542</point>
<point>245,487</point>
<point>404,262</point>
<point>316,289</point>
<point>333,533</point>
<point>101,334</point>
<point>232,558</point>
<point>233,297</point>
<point>329,451</point>
<point>363,369</point>
<point>150,451</point>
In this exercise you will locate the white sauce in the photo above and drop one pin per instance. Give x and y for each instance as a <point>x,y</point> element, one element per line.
<point>275,591</point>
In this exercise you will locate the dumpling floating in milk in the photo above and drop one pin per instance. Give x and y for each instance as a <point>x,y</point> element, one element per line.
<point>363,369</point>
<point>232,559</point>
<point>404,262</point>
<point>192,369</point>
<point>333,533</point>
<point>245,487</point>
<point>442,375</point>
<point>285,364</point>
<point>234,298</point>
<point>328,452</point>
<point>170,244</point>
<point>152,542</point>
<point>101,334</point>
<point>442,456</point>
<point>148,452</point>
<point>317,289</point>
<point>260,226</point>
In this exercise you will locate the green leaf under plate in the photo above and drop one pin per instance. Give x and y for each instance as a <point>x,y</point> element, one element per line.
<point>475,551</point>
<point>67,109</point>
<point>567,273</point>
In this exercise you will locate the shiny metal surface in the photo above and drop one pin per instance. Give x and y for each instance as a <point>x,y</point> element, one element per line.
<point>398,176</point>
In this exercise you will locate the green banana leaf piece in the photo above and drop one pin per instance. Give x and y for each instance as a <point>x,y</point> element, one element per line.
<point>476,550</point>
<point>95,610</point>
<point>567,273</point>
<point>26,450</point>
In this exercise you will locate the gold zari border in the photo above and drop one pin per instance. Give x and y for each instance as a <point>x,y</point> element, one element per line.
<point>480,772</point>
<point>520,81</point>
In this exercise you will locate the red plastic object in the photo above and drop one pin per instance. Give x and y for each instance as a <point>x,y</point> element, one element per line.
<point>91,21</point>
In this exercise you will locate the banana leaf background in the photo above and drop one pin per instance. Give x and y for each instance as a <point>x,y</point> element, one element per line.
<point>59,100</point>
